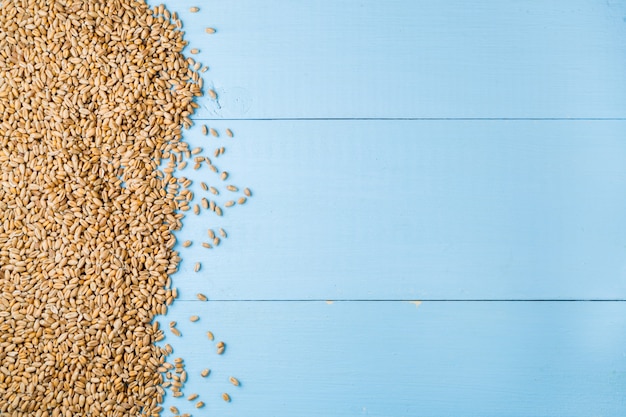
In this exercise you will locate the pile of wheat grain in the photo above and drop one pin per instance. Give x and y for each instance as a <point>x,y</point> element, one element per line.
<point>93,94</point>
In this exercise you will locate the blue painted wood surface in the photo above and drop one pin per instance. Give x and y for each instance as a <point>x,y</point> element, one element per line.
<point>411,210</point>
<point>415,209</point>
<point>483,359</point>
<point>412,58</point>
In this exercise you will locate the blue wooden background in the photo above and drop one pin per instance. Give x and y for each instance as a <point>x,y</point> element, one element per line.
<point>438,225</point>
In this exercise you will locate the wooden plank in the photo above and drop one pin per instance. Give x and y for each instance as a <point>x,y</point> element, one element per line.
<point>415,210</point>
<point>398,359</point>
<point>408,58</point>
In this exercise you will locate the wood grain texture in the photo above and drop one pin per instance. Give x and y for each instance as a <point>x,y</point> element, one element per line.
<point>415,209</point>
<point>395,359</point>
<point>398,58</point>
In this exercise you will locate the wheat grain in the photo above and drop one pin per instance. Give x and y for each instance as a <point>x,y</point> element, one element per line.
<point>93,99</point>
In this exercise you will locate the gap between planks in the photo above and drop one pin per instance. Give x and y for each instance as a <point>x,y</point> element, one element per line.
<point>601,119</point>
<point>437,300</point>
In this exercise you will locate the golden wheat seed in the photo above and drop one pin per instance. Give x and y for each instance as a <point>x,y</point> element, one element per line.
<point>217,152</point>
<point>194,9</point>
<point>174,410</point>
<point>216,241</point>
<point>218,211</point>
<point>205,130</point>
<point>234,381</point>
<point>241,200</point>
<point>196,209</point>
<point>177,394</point>
<point>206,245</point>
<point>229,133</point>
<point>213,131</point>
<point>229,203</point>
<point>210,31</point>
<point>232,188</point>
<point>212,205</point>
<point>194,318</point>
<point>213,190</point>
<point>211,233</point>
<point>224,175</point>
<point>186,243</point>
<point>204,186</point>
<point>196,151</point>
<point>209,334</point>
<point>175,331</point>
<point>212,94</point>
<point>223,232</point>
<point>182,165</point>
<point>197,267</point>
<point>205,373</point>
<point>226,397</point>
<point>205,203</point>
<point>194,51</point>
<point>199,404</point>
<point>192,397</point>
<point>247,192</point>
<point>204,69</point>
<point>201,297</point>
<point>213,168</point>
